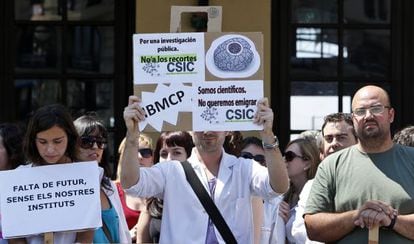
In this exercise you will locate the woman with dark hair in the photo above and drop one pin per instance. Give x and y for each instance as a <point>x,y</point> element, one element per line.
<point>51,138</point>
<point>171,145</point>
<point>93,140</point>
<point>11,149</point>
<point>11,152</point>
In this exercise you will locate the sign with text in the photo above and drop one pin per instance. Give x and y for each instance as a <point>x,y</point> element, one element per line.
<point>224,105</point>
<point>173,57</point>
<point>50,198</point>
<point>198,81</point>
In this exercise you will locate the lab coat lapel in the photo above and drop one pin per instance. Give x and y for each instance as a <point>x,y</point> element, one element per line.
<point>224,173</point>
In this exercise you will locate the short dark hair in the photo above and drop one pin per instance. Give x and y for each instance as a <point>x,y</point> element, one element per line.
<point>87,125</point>
<point>338,117</point>
<point>171,139</point>
<point>251,140</point>
<point>405,136</point>
<point>43,119</point>
<point>12,136</point>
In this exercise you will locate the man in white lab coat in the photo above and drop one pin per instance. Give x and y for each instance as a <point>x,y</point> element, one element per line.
<point>231,181</point>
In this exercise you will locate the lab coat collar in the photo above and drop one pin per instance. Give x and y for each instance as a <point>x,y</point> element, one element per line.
<point>225,170</point>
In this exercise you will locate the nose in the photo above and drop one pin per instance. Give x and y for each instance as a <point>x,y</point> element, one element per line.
<point>50,148</point>
<point>95,145</point>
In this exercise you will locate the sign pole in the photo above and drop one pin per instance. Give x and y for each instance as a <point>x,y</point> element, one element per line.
<point>48,238</point>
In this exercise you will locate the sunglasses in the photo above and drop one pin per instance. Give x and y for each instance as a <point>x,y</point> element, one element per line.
<point>258,157</point>
<point>289,156</point>
<point>145,152</point>
<point>87,142</point>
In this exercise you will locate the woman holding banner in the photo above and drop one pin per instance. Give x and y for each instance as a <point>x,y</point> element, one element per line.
<point>93,140</point>
<point>51,138</point>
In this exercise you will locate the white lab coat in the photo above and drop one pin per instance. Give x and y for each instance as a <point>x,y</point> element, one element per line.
<point>184,218</point>
<point>273,226</point>
<point>298,227</point>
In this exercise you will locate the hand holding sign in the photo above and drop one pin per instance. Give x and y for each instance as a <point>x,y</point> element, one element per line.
<point>133,114</point>
<point>264,115</point>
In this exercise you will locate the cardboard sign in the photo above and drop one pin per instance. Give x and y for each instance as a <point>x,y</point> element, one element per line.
<point>198,81</point>
<point>51,198</point>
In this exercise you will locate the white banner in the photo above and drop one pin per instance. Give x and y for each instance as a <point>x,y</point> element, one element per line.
<point>50,198</point>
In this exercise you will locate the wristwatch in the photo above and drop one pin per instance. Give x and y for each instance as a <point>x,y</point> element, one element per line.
<point>271,146</point>
<point>392,223</point>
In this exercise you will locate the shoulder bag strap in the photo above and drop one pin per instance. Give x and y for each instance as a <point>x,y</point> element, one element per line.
<point>208,203</point>
<point>107,232</point>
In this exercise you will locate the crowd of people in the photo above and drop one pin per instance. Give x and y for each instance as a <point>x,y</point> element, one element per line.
<point>332,185</point>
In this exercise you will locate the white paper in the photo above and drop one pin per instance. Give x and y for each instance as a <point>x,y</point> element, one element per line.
<point>226,106</point>
<point>51,198</point>
<point>172,57</point>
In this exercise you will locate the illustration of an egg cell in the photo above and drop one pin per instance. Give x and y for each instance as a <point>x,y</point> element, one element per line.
<point>234,54</point>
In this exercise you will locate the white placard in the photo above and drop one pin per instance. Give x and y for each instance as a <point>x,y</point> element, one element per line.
<point>168,57</point>
<point>226,106</point>
<point>50,198</point>
<point>165,103</point>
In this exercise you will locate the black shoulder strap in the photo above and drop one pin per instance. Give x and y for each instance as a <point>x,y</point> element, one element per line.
<point>107,232</point>
<point>208,203</point>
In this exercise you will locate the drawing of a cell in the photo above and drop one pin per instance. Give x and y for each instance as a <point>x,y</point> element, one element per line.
<point>234,54</point>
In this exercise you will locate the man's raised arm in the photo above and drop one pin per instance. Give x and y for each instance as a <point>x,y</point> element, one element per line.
<point>275,164</point>
<point>133,113</point>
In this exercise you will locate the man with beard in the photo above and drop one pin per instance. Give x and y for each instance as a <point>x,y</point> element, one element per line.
<point>366,185</point>
<point>231,181</point>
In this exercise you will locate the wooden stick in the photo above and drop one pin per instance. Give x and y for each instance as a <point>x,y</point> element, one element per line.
<point>373,235</point>
<point>48,238</point>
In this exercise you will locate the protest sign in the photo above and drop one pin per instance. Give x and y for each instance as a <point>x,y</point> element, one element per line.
<point>51,198</point>
<point>198,81</point>
<point>172,57</point>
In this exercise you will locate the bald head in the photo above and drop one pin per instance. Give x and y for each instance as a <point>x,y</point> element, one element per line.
<point>368,93</point>
<point>372,117</point>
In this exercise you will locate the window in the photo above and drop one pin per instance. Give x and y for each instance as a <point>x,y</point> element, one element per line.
<point>336,46</point>
<point>64,51</point>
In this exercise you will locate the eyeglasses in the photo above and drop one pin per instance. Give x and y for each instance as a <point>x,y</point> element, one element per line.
<point>87,142</point>
<point>145,152</point>
<point>258,157</point>
<point>289,156</point>
<point>377,109</point>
